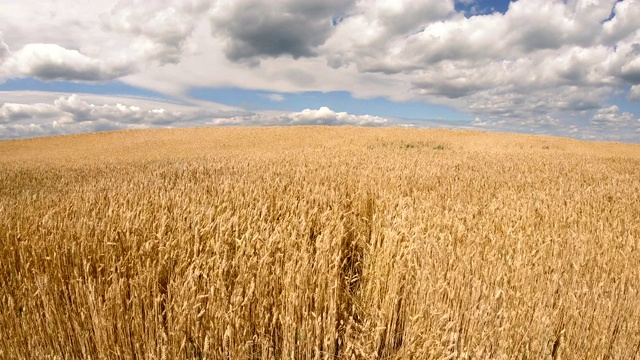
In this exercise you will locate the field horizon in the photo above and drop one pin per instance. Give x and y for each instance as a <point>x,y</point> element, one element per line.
<point>318,242</point>
<point>91,141</point>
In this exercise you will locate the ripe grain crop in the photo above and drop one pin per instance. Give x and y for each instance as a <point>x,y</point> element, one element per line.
<point>318,243</point>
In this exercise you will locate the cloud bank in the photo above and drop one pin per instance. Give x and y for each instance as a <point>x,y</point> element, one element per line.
<point>321,116</point>
<point>74,114</point>
<point>254,29</point>
<point>53,62</point>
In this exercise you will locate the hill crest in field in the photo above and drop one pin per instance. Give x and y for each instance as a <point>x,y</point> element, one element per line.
<point>196,142</point>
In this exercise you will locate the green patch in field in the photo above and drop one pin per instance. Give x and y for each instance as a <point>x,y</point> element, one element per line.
<point>410,145</point>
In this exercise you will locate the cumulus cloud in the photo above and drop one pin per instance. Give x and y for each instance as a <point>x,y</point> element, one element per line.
<point>162,28</point>
<point>326,116</point>
<point>612,116</point>
<point>10,112</point>
<point>442,35</point>
<point>610,123</point>
<point>255,29</point>
<point>82,111</point>
<point>78,113</point>
<point>321,116</point>
<point>623,23</point>
<point>53,62</point>
<point>553,58</point>
<point>93,43</point>
<point>630,69</point>
<point>374,34</point>
<point>74,113</point>
<point>4,50</point>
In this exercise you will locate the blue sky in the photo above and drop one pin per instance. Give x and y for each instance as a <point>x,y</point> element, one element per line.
<point>471,8</point>
<point>114,87</point>
<point>568,68</point>
<point>255,100</point>
<point>341,101</point>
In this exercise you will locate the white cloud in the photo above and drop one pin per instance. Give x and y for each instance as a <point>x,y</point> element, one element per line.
<point>375,33</point>
<point>321,116</point>
<point>275,97</point>
<point>53,62</point>
<point>612,116</point>
<point>326,116</point>
<point>43,115</point>
<point>10,112</point>
<point>21,131</point>
<point>81,111</point>
<point>537,57</point>
<point>609,123</point>
<point>161,28</point>
<point>634,93</point>
<point>87,42</point>
<point>630,70</point>
<point>624,23</point>
<point>34,114</point>
<point>4,50</point>
<point>527,27</point>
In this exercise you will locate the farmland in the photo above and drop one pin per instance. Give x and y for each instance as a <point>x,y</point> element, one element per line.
<point>318,243</point>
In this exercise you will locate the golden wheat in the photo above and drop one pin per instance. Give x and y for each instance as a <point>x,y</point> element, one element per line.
<point>318,243</point>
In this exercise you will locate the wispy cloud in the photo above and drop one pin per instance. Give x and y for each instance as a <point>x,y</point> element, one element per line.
<point>275,97</point>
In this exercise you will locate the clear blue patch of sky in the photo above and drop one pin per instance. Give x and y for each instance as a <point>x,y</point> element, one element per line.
<point>482,7</point>
<point>340,101</point>
<point>625,105</point>
<point>114,88</point>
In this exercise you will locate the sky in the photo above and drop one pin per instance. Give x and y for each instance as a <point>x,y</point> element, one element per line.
<point>567,68</point>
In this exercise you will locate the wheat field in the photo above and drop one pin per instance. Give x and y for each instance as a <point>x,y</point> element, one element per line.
<point>318,243</point>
